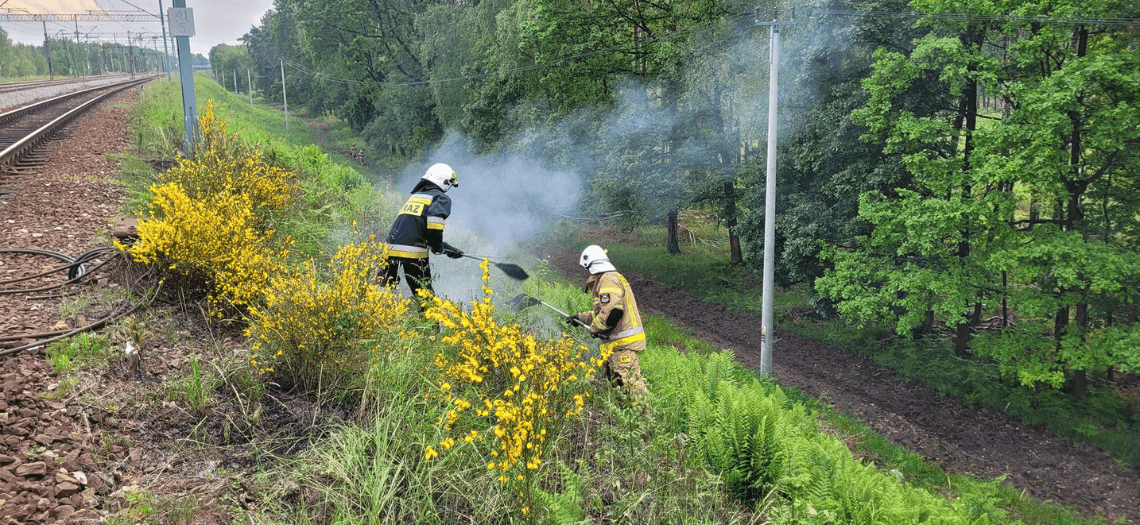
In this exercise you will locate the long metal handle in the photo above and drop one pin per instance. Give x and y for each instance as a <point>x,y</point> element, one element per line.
<point>564,314</point>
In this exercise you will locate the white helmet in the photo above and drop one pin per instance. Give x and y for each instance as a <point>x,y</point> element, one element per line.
<point>595,260</point>
<point>441,175</point>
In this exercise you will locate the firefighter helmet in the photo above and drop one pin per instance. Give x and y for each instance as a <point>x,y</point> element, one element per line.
<point>441,175</point>
<point>595,260</point>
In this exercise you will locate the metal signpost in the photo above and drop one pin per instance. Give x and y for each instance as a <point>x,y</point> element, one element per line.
<point>767,331</point>
<point>181,20</point>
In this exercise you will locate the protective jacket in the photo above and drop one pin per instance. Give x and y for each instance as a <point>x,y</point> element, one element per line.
<point>419,225</point>
<point>615,316</point>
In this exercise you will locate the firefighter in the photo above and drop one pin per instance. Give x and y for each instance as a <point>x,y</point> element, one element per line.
<point>418,228</point>
<point>614,320</point>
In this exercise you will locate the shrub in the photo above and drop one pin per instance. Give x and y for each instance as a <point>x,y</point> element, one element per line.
<point>213,242</point>
<point>525,387</point>
<point>225,165</point>
<point>209,219</point>
<point>318,328</point>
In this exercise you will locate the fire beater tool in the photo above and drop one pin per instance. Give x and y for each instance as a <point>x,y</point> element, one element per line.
<point>522,301</point>
<point>513,271</point>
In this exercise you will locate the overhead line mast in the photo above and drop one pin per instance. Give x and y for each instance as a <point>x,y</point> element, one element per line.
<point>767,331</point>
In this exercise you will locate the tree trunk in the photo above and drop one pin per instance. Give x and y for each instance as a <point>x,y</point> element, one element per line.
<point>1080,377</point>
<point>968,112</point>
<point>926,327</point>
<point>1060,321</point>
<point>1004,300</point>
<point>961,337</point>
<point>673,247</point>
<point>735,255</point>
<point>1074,214</point>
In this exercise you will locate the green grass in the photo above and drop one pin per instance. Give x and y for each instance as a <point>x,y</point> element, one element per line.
<point>83,349</point>
<point>30,78</point>
<point>875,448</point>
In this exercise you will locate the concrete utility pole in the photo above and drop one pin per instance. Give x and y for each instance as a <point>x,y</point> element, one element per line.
<point>182,28</point>
<point>131,48</point>
<point>47,47</point>
<point>249,80</point>
<point>237,91</point>
<point>767,331</point>
<point>284,97</point>
<point>165,50</point>
<point>87,49</point>
<point>75,53</point>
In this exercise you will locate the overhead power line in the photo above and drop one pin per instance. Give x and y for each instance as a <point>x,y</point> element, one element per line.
<point>90,17</point>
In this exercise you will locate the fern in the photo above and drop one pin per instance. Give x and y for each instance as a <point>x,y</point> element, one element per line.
<point>742,437</point>
<point>762,445</point>
<point>718,368</point>
<point>565,507</point>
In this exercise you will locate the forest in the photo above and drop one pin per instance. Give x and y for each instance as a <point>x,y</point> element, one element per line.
<point>970,166</point>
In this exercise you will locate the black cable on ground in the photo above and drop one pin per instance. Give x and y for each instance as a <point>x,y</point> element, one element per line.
<point>75,267</point>
<point>114,316</point>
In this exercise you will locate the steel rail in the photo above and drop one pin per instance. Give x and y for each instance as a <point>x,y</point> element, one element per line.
<point>45,132</point>
<point>37,106</point>
<point>15,87</point>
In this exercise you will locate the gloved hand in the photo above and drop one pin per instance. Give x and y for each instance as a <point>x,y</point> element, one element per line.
<point>597,335</point>
<point>452,251</point>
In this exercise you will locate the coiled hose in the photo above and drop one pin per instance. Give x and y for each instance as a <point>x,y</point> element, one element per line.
<point>77,271</point>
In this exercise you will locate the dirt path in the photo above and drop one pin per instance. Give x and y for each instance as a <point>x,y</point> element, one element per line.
<point>986,442</point>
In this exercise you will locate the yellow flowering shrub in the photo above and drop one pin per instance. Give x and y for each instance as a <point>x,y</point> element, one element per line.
<point>224,164</point>
<point>214,240</point>
<point>208,218</point>
<point>522,385</point>
<point>320,326</point>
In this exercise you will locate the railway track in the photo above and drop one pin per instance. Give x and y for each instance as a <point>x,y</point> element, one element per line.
<point>12,87</point>
<point>38,275</point>
<point>23,129</point>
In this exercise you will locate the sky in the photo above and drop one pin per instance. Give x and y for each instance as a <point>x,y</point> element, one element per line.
<point>215,21</point>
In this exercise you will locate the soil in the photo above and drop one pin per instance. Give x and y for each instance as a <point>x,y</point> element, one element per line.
<point>95,444</point>
<point>986,442</point>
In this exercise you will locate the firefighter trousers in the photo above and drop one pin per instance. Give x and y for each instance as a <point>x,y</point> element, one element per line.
<point>416,271</point>
<point>623,369</point>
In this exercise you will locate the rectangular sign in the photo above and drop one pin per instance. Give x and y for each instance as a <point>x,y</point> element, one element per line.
<point>181,21</point>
